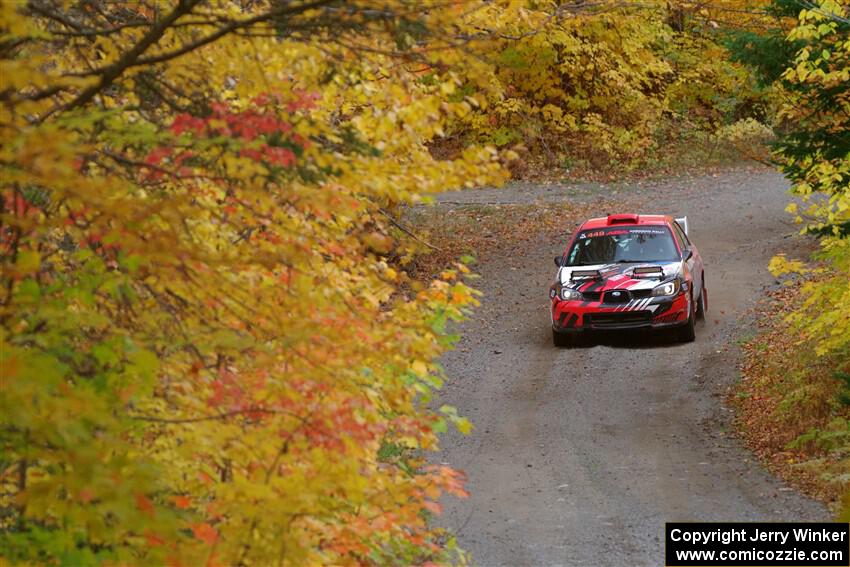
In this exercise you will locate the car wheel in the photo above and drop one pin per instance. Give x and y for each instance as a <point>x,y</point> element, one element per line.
<point>687,332</point>
<point>561,340</point>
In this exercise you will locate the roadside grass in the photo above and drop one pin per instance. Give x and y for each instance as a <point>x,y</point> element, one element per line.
<point>746,338</point>
<point>793,410</point>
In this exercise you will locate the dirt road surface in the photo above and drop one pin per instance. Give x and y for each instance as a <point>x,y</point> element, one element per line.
<point>580,455</point>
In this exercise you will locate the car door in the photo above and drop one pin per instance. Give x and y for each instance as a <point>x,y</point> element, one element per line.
<point>695,266</point>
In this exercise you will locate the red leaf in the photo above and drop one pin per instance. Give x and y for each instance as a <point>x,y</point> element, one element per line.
<point>280,156</point>
<point>184,122</point>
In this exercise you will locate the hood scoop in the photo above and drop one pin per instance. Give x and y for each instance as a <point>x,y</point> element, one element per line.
<point>649,272</point>
<point>585,275</point>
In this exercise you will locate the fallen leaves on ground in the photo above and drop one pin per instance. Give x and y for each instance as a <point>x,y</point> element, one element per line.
<point>481,229</point>
<point>785,392</point>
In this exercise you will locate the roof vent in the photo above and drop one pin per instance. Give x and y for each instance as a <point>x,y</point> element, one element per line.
<point>622,219</point>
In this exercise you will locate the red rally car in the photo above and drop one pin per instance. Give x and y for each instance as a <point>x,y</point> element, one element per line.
<point>628,272</point>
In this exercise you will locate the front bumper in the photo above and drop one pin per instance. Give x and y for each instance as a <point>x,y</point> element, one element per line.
<point>655,313</point>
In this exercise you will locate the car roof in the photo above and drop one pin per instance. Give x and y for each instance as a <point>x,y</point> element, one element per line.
<point>626,220</point>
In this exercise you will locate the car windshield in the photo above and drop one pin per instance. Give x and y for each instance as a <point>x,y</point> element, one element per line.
<point>623,244</point>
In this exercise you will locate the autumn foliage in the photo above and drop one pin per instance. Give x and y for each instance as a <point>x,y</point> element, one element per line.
<point>805,58</point>
<point>210,351</point>
<point>619,86</point>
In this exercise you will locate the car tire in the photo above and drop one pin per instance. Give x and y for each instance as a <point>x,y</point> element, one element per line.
<point>561,340</point>
<point>687,332</point>
<point>701,301</point>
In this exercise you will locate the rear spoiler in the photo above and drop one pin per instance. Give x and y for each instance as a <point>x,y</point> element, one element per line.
<point>683,222</point>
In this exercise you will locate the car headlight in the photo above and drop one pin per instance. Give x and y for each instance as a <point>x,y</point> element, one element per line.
<point>568,294</point>
<point>667,289</point>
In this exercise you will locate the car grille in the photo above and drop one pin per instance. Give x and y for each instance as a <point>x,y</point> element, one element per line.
<point>624,298</point>
<point>617,296</point>
<point>619,319</point>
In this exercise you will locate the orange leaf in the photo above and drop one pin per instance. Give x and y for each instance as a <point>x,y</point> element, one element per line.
<point>144,504</point>
<point>335,249</point>
<point>432,507</point>
<point>153,539</point>
<point>206,533</point>
<point>86,495</point>
<point>181,502</point>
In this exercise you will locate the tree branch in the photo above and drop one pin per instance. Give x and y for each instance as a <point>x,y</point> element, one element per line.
<point>407,231</point>
<point>109,74</point>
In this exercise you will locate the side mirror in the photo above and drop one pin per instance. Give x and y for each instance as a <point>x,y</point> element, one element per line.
<point>687,253</point>
<point>558,261</point>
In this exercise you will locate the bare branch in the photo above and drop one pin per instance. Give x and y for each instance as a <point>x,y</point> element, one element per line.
<point>407,231</point>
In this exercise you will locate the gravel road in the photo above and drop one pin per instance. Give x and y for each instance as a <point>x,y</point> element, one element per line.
<point>580,455</point>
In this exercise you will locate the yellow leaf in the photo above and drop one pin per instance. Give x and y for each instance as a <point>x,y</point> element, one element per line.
<point>419,368</point>
<point>28,262</point>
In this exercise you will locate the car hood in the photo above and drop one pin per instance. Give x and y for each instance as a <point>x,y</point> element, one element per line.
<point>617,276</point>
